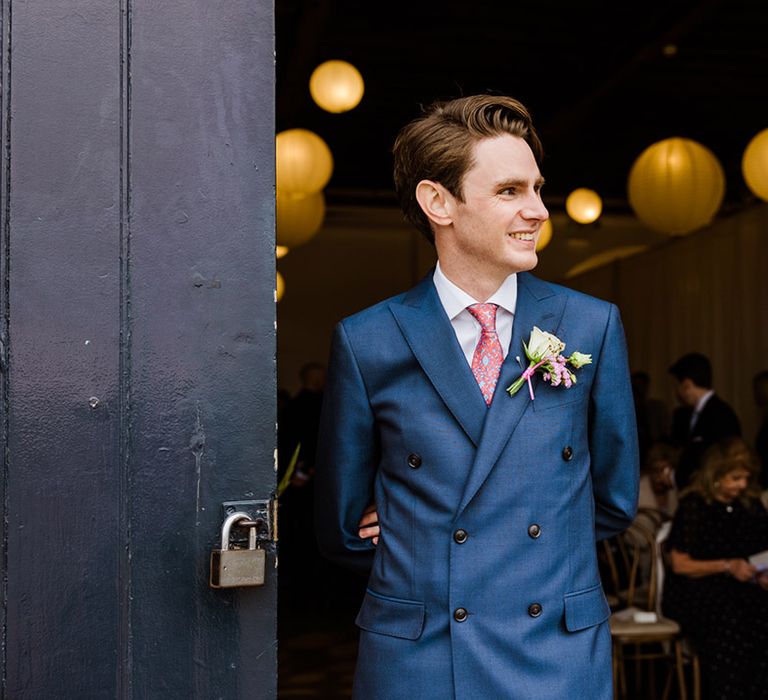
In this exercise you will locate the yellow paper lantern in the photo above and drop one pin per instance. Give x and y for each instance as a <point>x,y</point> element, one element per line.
<point>299,217</point>
<point>584,206</point>
<point>336,86</point>
<point>280,290</point>
<point>281,251</point>
<point>545,235</point>
<point>304,161</point>
<point>754,165</point>
<point>676,186</point>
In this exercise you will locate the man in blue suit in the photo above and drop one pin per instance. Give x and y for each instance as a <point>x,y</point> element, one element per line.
<point>484,583</point>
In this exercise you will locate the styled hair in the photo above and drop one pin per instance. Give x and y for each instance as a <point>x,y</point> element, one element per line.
<point>438,146</point>
<point>693,366</point>
<point>723,457</point>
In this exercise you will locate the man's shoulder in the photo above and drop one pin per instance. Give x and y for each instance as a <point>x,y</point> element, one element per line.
<point>373,315</point>
<point>576,300</point>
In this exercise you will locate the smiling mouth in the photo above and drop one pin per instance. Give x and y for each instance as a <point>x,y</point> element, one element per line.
<point>522,236</point>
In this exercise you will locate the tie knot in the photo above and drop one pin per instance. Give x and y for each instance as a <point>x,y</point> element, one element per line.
<point>485,315</point>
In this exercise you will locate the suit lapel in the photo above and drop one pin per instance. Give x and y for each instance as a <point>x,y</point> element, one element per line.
<point>428,332</point>
<point>538,304</point>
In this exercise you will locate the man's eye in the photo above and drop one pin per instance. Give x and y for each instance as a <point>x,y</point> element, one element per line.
<point>508,191</point>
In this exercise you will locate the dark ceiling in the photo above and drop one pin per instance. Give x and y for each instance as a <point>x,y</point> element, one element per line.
<point>602,79</point>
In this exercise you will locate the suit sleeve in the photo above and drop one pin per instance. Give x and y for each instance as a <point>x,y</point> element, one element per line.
<point>347,456</point>
<point>613,435</point>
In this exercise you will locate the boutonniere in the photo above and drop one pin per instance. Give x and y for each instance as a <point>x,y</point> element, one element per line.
<point>545,354</point>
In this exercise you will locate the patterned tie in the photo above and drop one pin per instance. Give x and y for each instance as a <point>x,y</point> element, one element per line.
<point>486,362</point>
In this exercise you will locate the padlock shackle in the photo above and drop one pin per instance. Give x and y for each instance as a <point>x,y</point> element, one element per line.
<point>226,528</point>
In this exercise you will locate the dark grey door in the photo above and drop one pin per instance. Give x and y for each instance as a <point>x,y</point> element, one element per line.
<point>138,344</point>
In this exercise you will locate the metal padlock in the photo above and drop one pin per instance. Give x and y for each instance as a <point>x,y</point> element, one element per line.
<point>231,568</point>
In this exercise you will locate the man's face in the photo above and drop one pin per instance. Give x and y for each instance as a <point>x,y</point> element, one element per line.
<point>685,391</point>
<point>497,225</point>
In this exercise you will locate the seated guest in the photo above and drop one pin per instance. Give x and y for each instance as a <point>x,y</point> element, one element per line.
<point>717,596</point>
<point>657,487</point>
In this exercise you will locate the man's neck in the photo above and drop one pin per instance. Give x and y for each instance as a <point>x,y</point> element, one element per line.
<point>479,285</point>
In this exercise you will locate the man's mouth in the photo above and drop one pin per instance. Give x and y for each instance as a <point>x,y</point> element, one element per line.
<point>522,235</point>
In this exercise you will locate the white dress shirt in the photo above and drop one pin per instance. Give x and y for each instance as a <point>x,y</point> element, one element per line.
<point>467,328</point>
<point>699,408</point>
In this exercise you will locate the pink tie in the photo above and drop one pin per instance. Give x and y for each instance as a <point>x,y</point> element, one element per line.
<point>486,362</point>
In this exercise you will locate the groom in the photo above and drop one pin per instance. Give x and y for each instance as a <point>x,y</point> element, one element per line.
<point>484,583</point>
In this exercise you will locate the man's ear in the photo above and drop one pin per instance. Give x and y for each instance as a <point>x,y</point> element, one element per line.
<point>436,202</point>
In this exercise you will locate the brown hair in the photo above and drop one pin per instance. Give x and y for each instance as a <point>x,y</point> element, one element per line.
<point>438,146</point>
<point>723,457</point>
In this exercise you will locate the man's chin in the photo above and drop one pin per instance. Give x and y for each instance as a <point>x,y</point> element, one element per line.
<point>524,263</point>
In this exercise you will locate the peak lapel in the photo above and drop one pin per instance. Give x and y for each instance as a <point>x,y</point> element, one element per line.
<point>538,304</point>
<point>428,332</point>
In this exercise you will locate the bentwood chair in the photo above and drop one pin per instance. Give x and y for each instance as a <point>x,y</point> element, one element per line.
<point>639,632</point>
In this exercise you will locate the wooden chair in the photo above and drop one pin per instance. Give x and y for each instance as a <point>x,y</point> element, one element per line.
<point>639,632</point>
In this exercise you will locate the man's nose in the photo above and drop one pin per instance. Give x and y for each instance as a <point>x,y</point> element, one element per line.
<point>535,209</point>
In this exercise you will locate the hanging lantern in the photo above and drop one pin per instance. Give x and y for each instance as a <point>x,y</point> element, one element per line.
<point>584,206</point>
<point>304,161</point>
<point>336,86</point>
<point>281,251</point>
<point>299,217</point>
<point>676,186</point>
<point>754,165</point>
<point>545,235</point>
<point>280,290</point>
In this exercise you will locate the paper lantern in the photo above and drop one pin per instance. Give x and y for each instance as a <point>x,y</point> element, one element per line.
<point>281,251</point>
<point>299,217</point>
<point>304,161</point>
<point>280,290</point>
<point>754,165</point>
<point>584,206</point>
<point>545,235</point>
<point>336,86</point>
<point>676,186</point>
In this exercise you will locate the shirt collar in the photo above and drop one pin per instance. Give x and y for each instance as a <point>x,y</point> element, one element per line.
<point>455,300</point>
<point>703,401</point>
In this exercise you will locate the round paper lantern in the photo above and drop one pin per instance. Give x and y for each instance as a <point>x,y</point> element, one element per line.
<point>676,186</point>
<point>754,165</point>
<point>304,161</point>
<point>281,251</point>
<point>545,235</point>
<point>280,290</point>
<point>299,217</point>
<point>584,206</point>
<point>336,86</point>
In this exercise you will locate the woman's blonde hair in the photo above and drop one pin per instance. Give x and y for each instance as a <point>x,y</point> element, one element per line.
<point>723,457</point>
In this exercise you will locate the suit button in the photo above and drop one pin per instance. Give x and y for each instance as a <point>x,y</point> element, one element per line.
<point>534,609</point>
<point>534,531</point>
<point>460,614</point>
<point>568,453</point>
<point>460,536</point>
<point>414,461</point>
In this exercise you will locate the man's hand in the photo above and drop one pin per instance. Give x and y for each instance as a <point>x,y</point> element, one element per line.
<point>369,524</point>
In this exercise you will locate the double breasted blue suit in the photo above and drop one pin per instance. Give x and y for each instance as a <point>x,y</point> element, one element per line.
<point>484,584</point>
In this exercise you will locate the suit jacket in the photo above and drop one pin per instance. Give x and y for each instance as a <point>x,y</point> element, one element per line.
<point>484,583</point>
<point>716,421</point>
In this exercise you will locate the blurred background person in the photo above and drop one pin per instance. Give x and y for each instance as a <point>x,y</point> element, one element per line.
<point>652,415</point>
<point>760,387</point>
<point>717,596</point>
<point>657,487</point>
<point>706,419</point>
